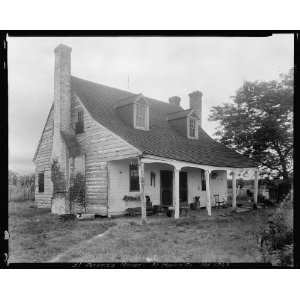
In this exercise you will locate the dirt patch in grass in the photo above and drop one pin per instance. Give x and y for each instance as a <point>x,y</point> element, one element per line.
<point>37,236</point>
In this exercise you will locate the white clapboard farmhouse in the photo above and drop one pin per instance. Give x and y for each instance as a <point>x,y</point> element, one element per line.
<point>131,148</point>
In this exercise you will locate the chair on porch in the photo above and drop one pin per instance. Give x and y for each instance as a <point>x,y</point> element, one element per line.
<point>218,202</point>
<point>149,207</point>
<point>196,204</point>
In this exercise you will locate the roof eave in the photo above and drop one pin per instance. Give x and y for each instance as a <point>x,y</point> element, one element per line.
<point>40,140</point>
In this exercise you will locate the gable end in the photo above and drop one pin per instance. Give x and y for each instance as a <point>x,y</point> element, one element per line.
<point>40,140</point>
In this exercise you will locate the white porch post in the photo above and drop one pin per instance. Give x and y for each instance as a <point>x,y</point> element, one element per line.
<point>208,202</point>
<point>233,189</point>
<point>142,189</point>
<point>255,186</point>
<point>176,192</point>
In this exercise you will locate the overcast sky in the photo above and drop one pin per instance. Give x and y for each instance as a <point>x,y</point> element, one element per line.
<point>158,67</point>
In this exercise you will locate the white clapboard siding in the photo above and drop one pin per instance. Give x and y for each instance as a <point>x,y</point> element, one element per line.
<point>42,164</point>
<point>99,145</point>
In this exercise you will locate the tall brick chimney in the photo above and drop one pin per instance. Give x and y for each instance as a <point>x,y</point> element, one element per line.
<point>62,104</point>
<point>196,104</point>
<point>62,125</point>
<point>175,100</point>
<point>62,86</point>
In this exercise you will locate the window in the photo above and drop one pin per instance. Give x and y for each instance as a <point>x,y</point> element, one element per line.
<point>134,184</point>
<point>79,126</point>
<point>203,182</point>
<point>41,182</point>
<point>192,128</point>
<point>141,115</point>
<point>152,179</point>
<point>80,116</point>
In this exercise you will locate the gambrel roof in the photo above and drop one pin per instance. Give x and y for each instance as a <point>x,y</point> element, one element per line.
<point>161,139</point>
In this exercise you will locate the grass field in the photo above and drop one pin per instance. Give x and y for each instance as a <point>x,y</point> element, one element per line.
<point>38,236</point>
<point>196,238</point>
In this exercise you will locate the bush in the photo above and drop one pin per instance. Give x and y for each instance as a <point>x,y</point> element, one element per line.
<point>23,191</point>
<point>77,191</point>
<point>279,189</point>
<point>264,201</point>
<point>276,240</point>
<point>16,193</point>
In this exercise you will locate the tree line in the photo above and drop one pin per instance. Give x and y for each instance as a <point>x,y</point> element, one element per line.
<point>258,123</point>
<point>21,187</point>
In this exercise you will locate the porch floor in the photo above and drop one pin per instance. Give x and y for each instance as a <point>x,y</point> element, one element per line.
<point>201,213</point>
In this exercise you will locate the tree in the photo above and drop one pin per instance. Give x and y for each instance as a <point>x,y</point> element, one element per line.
<point>27,183</point>
<point>259,123</point>
<point>12,178</point>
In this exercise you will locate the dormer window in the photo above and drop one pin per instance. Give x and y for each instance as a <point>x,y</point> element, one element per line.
<point>79,125</point>
<point>134,111</point>
<point>141,114</point>
<point>192,128</point>
<point>186,122</point>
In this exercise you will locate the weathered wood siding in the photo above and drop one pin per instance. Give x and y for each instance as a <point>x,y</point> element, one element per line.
<point>100,146</point>
<point>42,164</point>
<point>119,185</point>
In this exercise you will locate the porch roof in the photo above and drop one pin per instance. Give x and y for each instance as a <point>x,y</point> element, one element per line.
<point>161,139</point>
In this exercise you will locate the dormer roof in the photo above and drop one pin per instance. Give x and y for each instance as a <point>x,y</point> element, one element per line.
<point>182,114</point>
<point>129,100</point>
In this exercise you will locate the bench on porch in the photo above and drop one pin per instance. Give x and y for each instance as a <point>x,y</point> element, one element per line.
<point>182,208</point>
<point>136,211</point>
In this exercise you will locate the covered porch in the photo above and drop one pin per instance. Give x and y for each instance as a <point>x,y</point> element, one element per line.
<point>168,183</point>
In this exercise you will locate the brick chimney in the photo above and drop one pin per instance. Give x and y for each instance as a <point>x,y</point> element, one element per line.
<point>62,86</point>
<point>62,125</point>
<point>175,100</point>
<point>196,104</point>
<point>62,103</point>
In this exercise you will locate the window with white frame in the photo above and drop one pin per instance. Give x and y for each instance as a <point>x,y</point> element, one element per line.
<point>134,183</point>
<point>141,115</point>
<point>192,128</point>
<point>79,125</point>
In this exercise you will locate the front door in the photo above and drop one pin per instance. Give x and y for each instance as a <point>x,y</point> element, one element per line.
<point>183,187</point>
<point>166,188</point>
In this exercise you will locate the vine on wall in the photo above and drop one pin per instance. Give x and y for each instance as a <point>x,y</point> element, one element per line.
<point>77,191</point>
<point>58,178</point>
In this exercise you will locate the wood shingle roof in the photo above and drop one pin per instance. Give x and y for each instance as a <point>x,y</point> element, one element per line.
<point>161,139</point>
